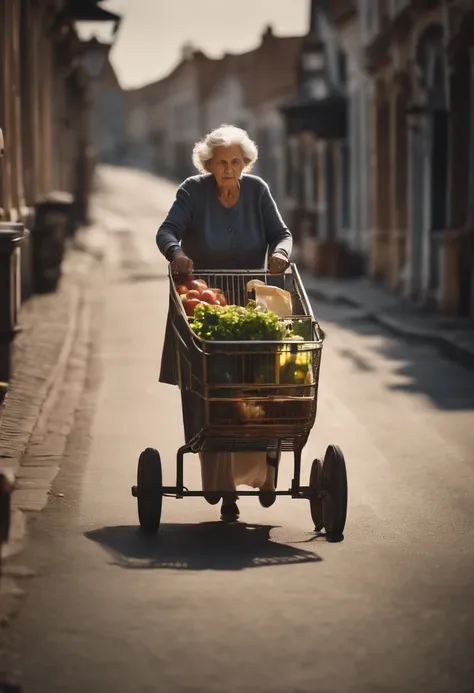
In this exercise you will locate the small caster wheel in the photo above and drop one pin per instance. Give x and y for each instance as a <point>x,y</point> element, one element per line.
<point>315,499</point>
<point>334,487</point>
<point>149,490</point>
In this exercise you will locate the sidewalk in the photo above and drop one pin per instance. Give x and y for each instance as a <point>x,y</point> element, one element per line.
<point>50,356</point>
<point>453,336</point>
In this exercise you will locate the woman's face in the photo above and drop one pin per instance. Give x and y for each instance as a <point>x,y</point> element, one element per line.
<point>227,165</point>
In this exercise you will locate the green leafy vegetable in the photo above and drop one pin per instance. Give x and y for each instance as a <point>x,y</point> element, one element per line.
<point>236,323</point>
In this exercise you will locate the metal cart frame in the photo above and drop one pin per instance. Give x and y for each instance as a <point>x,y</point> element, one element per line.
<point>219,383</point>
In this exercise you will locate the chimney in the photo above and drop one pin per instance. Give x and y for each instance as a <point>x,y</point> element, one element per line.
<point>187,51</point>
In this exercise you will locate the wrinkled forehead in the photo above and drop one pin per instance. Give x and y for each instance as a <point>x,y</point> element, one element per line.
<point>227,153</point>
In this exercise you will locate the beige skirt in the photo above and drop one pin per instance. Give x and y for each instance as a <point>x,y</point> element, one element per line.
<point>224,471</point>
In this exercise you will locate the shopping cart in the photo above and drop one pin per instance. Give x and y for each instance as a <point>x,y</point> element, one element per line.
<point>248,397</point>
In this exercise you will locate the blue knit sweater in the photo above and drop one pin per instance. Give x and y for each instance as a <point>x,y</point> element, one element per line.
<point>217,237</point>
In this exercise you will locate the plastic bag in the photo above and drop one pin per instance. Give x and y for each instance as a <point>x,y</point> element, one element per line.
<point>271,298</point>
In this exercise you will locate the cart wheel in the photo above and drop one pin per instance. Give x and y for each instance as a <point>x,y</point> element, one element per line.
<point>334,486</point>
<point>149,490</point>
<point>315,499</point>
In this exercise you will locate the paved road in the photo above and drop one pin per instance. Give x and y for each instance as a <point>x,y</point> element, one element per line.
<point>263,605</point>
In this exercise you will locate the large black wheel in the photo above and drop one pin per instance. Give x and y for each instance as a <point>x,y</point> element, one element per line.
<point>149,490</point>
<point>315,499</point>
<point>334,485</point>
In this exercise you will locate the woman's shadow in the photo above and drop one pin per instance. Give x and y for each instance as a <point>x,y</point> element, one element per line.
<point>205,546</point>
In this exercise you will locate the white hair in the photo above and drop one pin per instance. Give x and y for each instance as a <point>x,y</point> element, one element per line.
<point>224,136</point>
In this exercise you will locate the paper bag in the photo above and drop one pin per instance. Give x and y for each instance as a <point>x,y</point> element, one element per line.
<point>271,298</point>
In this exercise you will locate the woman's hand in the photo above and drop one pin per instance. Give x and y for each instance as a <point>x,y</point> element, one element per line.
<point>278,263</point>
<point>181,266</point>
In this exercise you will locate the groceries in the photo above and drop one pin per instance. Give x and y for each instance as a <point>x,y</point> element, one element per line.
<point>212,319</point>
<point>196,292</point>
<point>235,323</point>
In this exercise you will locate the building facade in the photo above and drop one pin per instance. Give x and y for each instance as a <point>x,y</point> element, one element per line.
<point>165,118</point>
<point>420,56</point>
<point>45,102</point>
<point>109,122</point>
<point>400,203</point>
<point>318,192</point>
<point>45,163</point>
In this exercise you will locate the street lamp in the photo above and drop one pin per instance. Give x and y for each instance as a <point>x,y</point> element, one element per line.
<point>94,57</point>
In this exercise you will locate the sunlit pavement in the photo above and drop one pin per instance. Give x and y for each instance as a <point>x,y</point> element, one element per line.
<point>262,605</point>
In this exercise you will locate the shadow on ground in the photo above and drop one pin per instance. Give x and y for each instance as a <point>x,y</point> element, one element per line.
<point>424,370</point>
<point>205,546</point>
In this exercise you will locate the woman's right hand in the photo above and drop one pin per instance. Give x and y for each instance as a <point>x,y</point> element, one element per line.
<point>181,265</point>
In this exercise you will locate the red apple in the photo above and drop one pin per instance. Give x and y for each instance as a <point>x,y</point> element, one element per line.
<point>208,296</point>
<point>194,294</point>
<point>181,289</point>
<point>190,304</point>
<point>194,284</point>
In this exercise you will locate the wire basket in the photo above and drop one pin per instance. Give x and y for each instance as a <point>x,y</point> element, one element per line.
<point>248,391</point>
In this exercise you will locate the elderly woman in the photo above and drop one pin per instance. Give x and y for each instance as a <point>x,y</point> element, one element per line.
<point>223,219</point>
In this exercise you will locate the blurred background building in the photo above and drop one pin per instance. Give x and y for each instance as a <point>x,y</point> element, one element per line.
<point>365,127</point>
<point>166,118</point>
<point>50,139</point>
<point>366,137</point>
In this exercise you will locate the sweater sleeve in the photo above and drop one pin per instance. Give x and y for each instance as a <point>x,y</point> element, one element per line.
<point>172,230</point>
<point>279,237</point>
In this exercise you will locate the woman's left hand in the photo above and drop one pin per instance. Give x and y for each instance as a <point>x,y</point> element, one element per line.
<point>278,263</point>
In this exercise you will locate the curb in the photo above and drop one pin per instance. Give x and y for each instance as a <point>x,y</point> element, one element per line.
<point>448,346</point>
<point>35,455</point>
<point>28,420</point>
<point>14,439</point>
<point>52,384</point>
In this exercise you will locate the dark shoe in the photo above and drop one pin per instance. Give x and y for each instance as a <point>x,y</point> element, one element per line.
<point>230,512</point>
<point>266,498</point>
